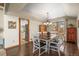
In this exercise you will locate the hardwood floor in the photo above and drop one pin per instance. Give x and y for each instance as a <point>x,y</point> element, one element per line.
<point>70,50</point>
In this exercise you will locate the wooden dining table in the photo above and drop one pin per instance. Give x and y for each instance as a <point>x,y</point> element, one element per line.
<point>47,40</point>
<point>47,44</point>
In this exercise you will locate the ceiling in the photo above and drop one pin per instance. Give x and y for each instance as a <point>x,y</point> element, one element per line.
<point>40,10</point>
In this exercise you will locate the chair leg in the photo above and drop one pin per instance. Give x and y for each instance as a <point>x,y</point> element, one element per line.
<point>33,49</point>
<point>58,52</point>
<point>39,52</point>
<point>49,47</point>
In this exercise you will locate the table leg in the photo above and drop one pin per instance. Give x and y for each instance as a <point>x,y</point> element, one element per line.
<point>47,46</point>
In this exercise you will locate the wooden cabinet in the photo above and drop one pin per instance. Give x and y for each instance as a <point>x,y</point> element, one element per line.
<point>71,34</point>
<point>43,30</point>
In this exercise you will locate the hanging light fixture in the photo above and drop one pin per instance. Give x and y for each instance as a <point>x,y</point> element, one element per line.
<point>47,22</point>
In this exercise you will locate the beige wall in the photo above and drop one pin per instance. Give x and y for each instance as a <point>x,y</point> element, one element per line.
<point>1,19</point>
<point>34,27</point>
<point>1,22</point>
<point>77,32</point>
<point>10,35</point>
<point>71,21</point>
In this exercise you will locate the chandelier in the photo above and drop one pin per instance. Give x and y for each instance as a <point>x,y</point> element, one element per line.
<point>47,22</point>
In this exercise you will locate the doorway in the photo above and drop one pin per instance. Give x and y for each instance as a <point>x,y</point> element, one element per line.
<point>23,31</point>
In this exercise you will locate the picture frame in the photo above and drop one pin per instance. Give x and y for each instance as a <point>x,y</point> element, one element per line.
<point>61,27</point>
<point>54,26</point>
<point>11,24</point>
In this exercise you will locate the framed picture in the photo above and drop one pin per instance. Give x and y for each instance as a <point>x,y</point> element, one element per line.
<point>12,24</point>
<point>54,26</point>
<point>61,27</point>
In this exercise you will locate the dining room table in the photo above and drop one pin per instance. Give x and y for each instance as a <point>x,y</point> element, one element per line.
<point>47,40</point>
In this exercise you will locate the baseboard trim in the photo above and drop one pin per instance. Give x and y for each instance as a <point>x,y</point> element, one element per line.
<point>15,46</point>
<point>12,47</point>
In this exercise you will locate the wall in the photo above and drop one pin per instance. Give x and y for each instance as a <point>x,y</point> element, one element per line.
<point>71,21</point>
<point>77,32</point>
<point>1,19</point>
<point>1,22</point>
<point>10,35</point>
<point>34,27</point>
<point>59,20</point>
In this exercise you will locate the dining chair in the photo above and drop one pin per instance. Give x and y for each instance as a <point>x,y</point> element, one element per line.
<point>2,49</point>
<point>56,43</point>
<point>1,43</point>
<point>38,45</point>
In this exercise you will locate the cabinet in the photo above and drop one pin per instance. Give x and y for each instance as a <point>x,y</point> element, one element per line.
<point>72,34</point>
<point>43,30</point>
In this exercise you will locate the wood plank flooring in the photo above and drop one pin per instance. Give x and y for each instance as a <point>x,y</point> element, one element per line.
<point>70,50</point>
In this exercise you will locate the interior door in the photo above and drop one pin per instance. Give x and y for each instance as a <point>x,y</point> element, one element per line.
<point>72,35</point>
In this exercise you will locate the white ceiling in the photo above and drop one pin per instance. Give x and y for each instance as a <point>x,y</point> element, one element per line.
<point>40,9</point>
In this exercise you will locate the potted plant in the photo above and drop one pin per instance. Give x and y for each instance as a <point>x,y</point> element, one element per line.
<point>71,25</point>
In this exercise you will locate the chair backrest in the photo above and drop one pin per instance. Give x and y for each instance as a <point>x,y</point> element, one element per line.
<point>1,43</point>
<point>60,40</point>
<point>57,39</point>
<point>53,35</point>
<point>36,40</point>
